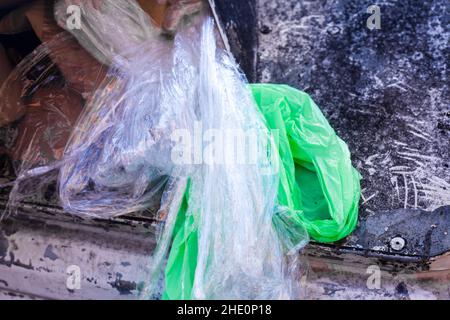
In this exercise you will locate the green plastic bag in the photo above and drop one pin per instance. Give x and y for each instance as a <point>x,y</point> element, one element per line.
<point>317,182</point>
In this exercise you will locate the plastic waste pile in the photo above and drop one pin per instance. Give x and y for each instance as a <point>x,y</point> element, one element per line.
<point>234,214</point>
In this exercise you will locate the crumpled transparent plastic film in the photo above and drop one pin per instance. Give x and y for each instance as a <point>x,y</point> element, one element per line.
<point>239,253</point>
<point>120,153</point>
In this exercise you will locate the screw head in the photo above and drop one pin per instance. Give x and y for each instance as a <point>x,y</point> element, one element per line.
<point>397,243</point>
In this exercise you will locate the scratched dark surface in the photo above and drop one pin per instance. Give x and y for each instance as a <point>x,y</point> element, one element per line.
<point>384,91</point>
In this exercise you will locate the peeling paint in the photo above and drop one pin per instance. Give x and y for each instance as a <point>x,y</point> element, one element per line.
<point>49,254</point>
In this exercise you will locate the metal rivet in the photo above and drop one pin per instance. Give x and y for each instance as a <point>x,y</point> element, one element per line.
<point>397,243</point>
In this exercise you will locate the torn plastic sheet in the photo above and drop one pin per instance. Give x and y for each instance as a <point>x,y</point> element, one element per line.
<point>229,231</point>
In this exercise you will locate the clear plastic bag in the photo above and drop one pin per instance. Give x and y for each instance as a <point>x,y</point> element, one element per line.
<point>231,207</point>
